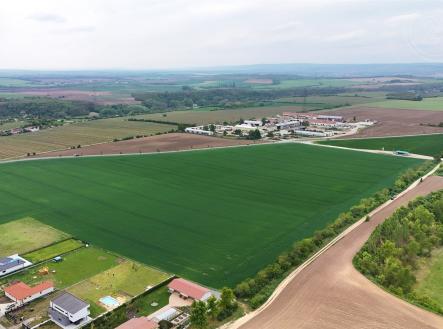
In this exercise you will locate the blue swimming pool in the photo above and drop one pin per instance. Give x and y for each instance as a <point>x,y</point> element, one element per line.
<point>109,301</point>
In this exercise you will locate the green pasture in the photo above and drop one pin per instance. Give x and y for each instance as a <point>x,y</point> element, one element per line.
<point>427,104</point>
<point>424,144</point>
<point>27,234</point>
<point>75,267</point>
<point>53,250</point>
<point>214,216</point>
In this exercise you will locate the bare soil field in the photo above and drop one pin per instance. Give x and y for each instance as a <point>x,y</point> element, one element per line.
<point>331,294</point>
<point>393,122</point>
<point>167,142</point>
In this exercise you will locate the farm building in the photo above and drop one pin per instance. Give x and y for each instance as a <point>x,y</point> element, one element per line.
<point>138,323</point>
<point>245,127</point>
<point>68,311</point>
<point>336,118</point>
<point>288,125</point>
<point>188,289</point>
<point>199,131</point>
<point>11,264</point>
<point>322,123</point>
<point>21,293</point>
<point>253,123</point>
<point>309,133</point>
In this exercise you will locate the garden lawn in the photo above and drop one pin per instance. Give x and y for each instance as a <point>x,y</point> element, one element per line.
<point>27,234</point>
<point>125,281</point>
<point>53,250</point>
<point>425,144</point>
<point>75,267</point>
<point>214,216</point>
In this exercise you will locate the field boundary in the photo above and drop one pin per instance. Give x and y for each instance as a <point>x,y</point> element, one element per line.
<point>238,323</point>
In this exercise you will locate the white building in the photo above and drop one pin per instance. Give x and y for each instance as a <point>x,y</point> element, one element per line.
<point>253,123</point>
<point>12,263</point>
<point>199,131</point>
<point>309,133</point>
<point>20,293</point>
<point>68,311</point>
<point>288,125</point>
<point>244,127</point>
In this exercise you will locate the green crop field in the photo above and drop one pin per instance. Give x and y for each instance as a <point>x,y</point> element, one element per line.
<point>425,144</point>
<point>214,216</point>
<point>427,104</point>
<point>91,132</point>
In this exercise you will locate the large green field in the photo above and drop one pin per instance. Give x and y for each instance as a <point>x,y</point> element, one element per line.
<point>214,216</point>
<point>427,104</point>
<point>426,144</point>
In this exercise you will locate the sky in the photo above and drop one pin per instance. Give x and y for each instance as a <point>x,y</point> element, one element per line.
<point>161,34</point>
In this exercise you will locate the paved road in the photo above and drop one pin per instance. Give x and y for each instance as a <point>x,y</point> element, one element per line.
<point>331,294</point>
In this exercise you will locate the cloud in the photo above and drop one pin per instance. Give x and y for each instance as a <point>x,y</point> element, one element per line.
<point>49,18</point>
<point>78,29</point>
<point>347,36</point>
<point>405,18</point>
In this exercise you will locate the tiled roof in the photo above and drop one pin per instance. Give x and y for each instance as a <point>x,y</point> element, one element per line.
<point>138,323</point>
<point>188,288</point>
<point>21,290</point>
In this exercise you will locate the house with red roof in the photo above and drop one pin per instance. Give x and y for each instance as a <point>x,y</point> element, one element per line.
<point>21,293</point>
<point>139,323</point>
<point>187,289</point>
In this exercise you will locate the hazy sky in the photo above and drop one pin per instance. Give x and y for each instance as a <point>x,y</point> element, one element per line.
<point>146,34</point>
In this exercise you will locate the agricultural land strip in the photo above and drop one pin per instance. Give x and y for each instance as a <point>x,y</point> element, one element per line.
<point>424,144</point>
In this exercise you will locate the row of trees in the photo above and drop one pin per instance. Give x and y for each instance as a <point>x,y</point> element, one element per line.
<point>44,107</point>
<point>222,97</point>
<point>213,309</point>
<point>392,254</point>
<point>255,291</point>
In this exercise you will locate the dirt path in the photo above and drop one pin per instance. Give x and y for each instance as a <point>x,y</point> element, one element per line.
<point>331,294</point>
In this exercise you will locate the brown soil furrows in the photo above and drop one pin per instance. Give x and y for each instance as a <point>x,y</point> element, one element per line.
<point>393,122</point>
<point>167,142</point>
<point>331,294</point>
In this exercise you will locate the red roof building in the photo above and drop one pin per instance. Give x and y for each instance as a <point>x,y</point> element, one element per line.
<point>138,323</point>
<point>21,293</point>
<point>189,289</point>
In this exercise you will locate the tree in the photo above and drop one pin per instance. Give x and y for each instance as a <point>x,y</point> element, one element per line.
<point>199,317</point>
<point>212,127</point>
<point>212,306</point>
<point>227,298</point>
<point>254,134</point>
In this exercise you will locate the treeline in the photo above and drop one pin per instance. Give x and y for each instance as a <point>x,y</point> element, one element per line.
<point>255,291</point>
<point>213,309</point>
<point>223,97</point>
<point>180,125</point>
<point>405,96</point>
<point>391,255</point>
<point>43,107</point>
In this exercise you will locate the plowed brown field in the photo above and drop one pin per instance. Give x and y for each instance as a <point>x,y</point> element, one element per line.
<point>331,294</point>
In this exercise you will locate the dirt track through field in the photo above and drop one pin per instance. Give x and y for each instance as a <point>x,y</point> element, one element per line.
<point>331,294</point>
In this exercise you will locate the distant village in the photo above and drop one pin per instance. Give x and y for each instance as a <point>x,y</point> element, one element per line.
<point>287,125</point>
